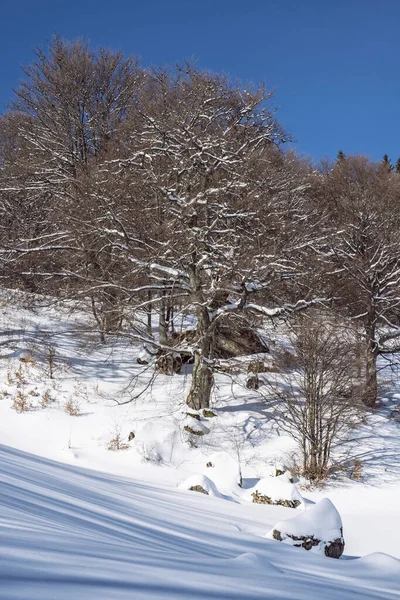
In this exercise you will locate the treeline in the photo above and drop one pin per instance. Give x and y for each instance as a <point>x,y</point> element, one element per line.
<point>157,191</point>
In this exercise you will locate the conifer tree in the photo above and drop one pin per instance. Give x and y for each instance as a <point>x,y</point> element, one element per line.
<point>386,163</point>
<point>340,156</point>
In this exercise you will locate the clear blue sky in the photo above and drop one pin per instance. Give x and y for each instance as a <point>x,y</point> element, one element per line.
<point>335,64</point>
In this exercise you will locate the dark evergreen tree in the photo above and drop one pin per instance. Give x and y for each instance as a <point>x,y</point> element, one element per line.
<point>340,156</point>
<point>386,163</point>
<point>398,166</point>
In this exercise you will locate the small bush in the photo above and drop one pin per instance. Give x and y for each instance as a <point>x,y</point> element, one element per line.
<point>19,377</point>
<point>21,402</point>
<point>46,399</point>
<point>28,360</point>
<point>117,443</point>
<point>72,408</point>
<point>357,471</point>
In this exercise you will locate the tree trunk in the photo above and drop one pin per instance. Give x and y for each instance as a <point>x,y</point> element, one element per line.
<point>202,383</point>
<point>170,317</point>
<point>149,314</point>
<point>203,377</point>
<point>163,325</point>
<point>371,378</point>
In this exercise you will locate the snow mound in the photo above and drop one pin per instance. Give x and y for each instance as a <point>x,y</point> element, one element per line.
<point>224,471</point>
<point>278,490</point>
<point>384,562</point>
<point>200,482</point>
<point>250,560</point>
<point>319,528</point>
<point>195,427</point>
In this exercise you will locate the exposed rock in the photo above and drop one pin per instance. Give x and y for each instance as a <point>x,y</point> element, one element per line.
<point>198,488</point>
<point>262,499</point>
<point>224,366</point>
<point>333,549</point>
<point>131,436</point>
<point>201,484</point>
<point>182,337</point>
<point>259,366</point>
<point>194,416</point>
<point>252,382</point>
<point>142,361</point>
<point>319,529</point>
<point>208,414</point>
<point>276,490</point>
<point>193,431</point>
<point>233,338</point>
<point>169,363</point>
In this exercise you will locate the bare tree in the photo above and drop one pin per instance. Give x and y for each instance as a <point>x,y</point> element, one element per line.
<point>359,253</point>
<point>317,393</point>
<point>204,158</point>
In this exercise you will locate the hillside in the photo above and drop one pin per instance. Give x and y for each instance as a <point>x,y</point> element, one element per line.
<point>69,532</point>
<point>103,523</point>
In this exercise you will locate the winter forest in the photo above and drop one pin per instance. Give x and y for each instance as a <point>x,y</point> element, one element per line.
<point>170,208</point>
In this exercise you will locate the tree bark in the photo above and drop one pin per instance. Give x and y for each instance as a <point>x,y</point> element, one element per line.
<point>203,377</point>
<point>163,326</point>
<point>202,383</point>
<point>149,315</point>
<point>371,378</point>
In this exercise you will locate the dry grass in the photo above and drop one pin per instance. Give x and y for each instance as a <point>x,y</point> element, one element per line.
<point>21,402</point>
<point>117,443</point>
<point>72,408</point>
<point>46,399</point>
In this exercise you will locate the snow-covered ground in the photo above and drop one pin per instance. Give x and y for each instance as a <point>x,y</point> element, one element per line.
<point>103,523</point>
<point>69,533</point>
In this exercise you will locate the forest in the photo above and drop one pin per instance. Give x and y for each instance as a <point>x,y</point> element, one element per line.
<point>158,196</point>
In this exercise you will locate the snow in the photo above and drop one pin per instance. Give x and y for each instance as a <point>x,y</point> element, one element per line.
<point>224,471</point>
<point>79,521</point>
<point>321,521</point>
<point>68,532</point>
<point>201,481</point>
<point>277,488</point>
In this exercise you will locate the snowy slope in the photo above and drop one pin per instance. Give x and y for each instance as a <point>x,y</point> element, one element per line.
<point>136,532</point>
<point>68,533</point>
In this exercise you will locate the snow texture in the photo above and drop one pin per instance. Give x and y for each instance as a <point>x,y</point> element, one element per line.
<point>68,532</point>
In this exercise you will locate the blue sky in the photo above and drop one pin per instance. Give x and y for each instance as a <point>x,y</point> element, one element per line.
<point>335,64</point>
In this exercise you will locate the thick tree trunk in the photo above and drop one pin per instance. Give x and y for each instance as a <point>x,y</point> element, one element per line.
<point>202,383</point>
<point>203,377</point>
